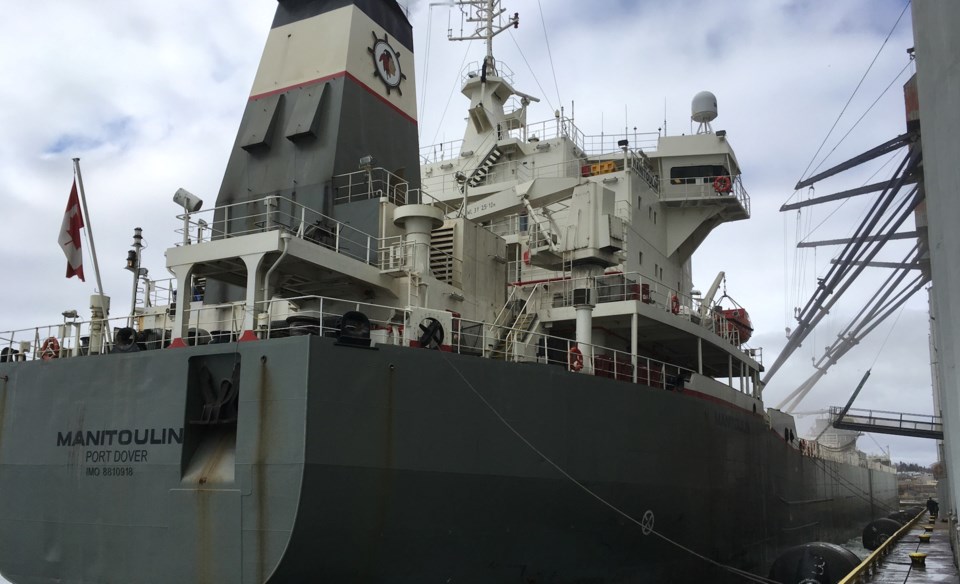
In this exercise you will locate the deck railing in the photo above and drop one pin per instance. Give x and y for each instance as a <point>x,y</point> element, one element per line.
<point>620,286</point>
<point>556,127</point>
<point>373,183</point>
<point>222,323</point>
<point>274,213</point>
<point>705,187</point>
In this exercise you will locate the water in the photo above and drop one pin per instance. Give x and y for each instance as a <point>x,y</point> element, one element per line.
<point>855,545</point>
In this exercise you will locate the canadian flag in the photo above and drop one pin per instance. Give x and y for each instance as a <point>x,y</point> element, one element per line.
<point>70,235</point>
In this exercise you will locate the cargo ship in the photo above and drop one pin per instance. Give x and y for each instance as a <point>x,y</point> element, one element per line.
<point>479,361</point>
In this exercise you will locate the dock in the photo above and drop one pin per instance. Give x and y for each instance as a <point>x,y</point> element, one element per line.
<point>892,562</point>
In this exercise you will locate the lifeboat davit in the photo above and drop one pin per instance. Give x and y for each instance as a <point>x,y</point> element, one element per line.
<point>738,320</point>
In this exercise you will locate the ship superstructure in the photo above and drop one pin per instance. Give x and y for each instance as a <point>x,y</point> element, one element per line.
<point>366,370</point>
<point>523,241</point>
<point>598,233</point>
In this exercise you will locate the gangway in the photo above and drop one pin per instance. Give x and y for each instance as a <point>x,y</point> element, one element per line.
<point>883,422</point>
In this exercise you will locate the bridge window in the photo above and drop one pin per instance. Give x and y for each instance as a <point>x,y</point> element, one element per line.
<point>704,173</point>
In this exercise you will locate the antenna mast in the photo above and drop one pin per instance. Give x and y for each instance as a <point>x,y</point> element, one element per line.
<point>483,13</point>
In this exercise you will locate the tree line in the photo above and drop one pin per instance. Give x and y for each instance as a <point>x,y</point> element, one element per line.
<point>912,467</point>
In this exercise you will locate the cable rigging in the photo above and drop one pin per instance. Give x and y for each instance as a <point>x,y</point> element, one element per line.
<point>885,216</point>
<point>879,224</point>
<point>546,39</point>
<point>855,90</point>
<point>426,68</point>
<point>452,92</point>
<point>864,114</point>
<point>532,72</point>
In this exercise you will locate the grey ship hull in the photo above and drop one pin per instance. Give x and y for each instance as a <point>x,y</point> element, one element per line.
<point>385,465</point>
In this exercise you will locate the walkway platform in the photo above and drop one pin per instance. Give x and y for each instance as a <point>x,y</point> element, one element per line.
<point>897,568</point>
<point>883,422</point>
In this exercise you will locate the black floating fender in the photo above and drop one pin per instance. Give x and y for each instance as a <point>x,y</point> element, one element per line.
<point>814,563</point>
<point>902,517</point>
<point>878,531</point>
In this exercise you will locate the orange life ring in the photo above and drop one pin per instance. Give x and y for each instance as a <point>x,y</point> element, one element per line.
<point>50,349</point>
<point>722,184</point>
<point>575,359</point>
<point>675,304</point>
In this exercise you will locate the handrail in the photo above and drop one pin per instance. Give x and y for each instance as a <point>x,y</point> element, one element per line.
<point>273,213</point>
<point>702,187</point>
<point>562,127</point>
<point>618,286</point>
<point>873,560</point>
<point>651,371</point>
<point>228,318</point>
<point>513,332</point>
<point>473,70</point>
<point>640,164</point>
<point>932,417</point>
<point>370,183</point>
<point>496,320</point>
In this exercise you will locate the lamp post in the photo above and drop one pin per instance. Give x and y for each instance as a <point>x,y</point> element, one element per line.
<point>133,264</point>
<point>366,165</point>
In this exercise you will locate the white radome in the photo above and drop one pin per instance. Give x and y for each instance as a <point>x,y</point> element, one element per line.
<point>704,107</point>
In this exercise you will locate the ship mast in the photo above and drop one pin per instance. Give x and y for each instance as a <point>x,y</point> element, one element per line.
<point>483,13</point>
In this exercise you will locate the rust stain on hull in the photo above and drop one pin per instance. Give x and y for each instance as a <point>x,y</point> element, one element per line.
<point>205,551</point>
<point>3,411</point>
<point>386,480</point>
<point>260,472</point>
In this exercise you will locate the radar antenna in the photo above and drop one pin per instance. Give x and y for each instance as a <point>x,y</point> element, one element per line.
<point>703,111</point>
<point>483,13</point>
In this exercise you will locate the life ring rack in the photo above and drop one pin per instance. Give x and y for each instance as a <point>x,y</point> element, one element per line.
<point>50,349</point>
<point>722,184</point>
<point>575,359</point>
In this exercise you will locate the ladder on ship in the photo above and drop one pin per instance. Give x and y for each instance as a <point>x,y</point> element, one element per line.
<point>480,174</point>
<point>519,332</point>
<point>522,319</point>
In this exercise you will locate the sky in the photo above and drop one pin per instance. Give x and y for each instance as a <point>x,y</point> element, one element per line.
<point>149,96</point>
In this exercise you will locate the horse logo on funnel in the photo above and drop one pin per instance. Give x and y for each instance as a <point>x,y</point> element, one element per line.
<point>386,63</point>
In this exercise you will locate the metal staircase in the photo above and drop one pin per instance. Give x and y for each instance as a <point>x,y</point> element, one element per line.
<point>519,333</point>
<point>522,318</point>
<point>480,174</point>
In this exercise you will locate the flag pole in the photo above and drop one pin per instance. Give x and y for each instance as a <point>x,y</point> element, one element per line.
<point>86,222</point>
